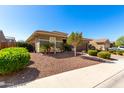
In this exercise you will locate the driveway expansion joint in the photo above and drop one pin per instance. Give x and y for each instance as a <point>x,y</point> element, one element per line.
<point>108,78</point>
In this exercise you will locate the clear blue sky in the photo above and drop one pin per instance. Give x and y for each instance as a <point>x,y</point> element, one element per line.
<point>94,21</point>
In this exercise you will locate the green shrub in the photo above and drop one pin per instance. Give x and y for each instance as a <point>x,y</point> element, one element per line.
<point>92,52</point>
<point>29,47</point>
<point>112,51</point>
<point>43,48</point>
<point>46,47</point>
<point>119,52</point>
<point>104,54</point>
<point>67,47</point>
<point>13,59</point>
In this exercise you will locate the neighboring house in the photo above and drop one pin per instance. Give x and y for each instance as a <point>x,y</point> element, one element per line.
<point>84,45</point>
<point>2,40</point>
<point>40,37</point>
<point>100,44</point>
<point>112,44</point>
<point>11,42</point>
<point>6,41</point>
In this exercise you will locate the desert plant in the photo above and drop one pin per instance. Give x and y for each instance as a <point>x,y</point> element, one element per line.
<point>104,54</point>
<point>120,41</point>
<point>119,52</point>
<point>43,49</point>
<point>92,52</point>
<point>112,51</point>
<point>75,39</point>
<point>13,59</point>
<point>46,47</point>
<point>67,47</point>
<point>29,47</point>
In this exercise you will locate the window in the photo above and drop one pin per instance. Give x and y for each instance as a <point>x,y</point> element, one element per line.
<point>52,39</point>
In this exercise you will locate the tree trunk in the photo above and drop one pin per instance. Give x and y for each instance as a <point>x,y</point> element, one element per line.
<point>55,48</point>
<point>74,51</point>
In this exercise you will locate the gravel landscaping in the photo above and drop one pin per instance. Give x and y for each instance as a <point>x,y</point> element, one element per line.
<point>42,65</point>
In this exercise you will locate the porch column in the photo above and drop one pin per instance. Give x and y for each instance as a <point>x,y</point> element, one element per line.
<point>37,46</point>
<point>55,47</point>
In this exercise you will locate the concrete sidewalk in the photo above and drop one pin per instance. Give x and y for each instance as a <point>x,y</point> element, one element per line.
<point>87,77</point>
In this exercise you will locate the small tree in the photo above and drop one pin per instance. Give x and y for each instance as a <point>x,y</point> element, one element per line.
<point>120,41</point>
<point>74,39</point>
<point>46,47</point>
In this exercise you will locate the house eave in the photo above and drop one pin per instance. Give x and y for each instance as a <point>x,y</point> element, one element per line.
<point>37,33</point>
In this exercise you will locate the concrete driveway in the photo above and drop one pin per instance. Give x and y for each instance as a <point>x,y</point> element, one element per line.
<point>88,77</point>
<point>117,80</point>
<point>120,59</point>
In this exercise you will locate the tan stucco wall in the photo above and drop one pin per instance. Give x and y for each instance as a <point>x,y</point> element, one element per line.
<point>93,43</point>
<point>36,39</point>
<point>100,46</point>
<point>107,45</point>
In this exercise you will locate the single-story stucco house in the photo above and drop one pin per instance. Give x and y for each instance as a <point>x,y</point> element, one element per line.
<point>101,44</point>
<point>6,41</point>
<point>40,37</point>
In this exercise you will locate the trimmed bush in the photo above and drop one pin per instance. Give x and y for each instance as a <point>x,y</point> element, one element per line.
<point>112,51</point>
<point>29,47</point>
<point>119,52</point>
<point>99,51</point>
<point>104,54</point>
<point>13,59</point>
<point>92,52</point>
<point>67,47</point>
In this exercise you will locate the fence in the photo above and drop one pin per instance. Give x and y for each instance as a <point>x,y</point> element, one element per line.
<point>7,44</point>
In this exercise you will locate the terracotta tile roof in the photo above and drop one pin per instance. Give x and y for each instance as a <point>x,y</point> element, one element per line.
<point>87,39</point>
<point>101,40</point>
<point>53,32</point>
<point>60,32</point>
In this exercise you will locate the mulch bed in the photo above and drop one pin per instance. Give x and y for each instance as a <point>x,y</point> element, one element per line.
<point>42,65</point>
